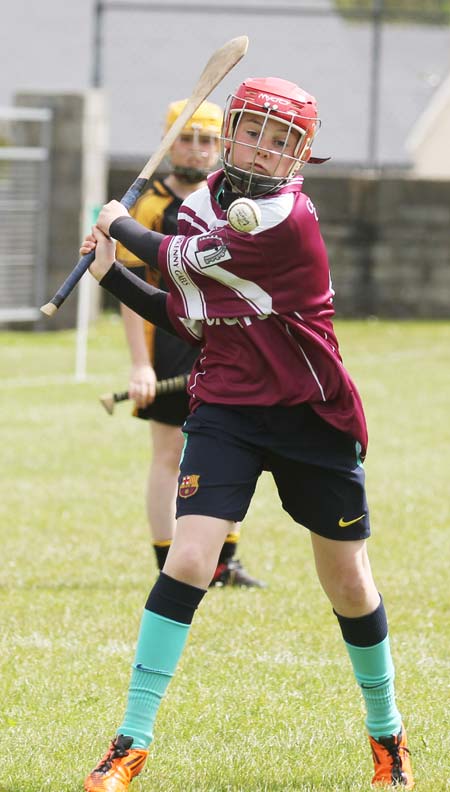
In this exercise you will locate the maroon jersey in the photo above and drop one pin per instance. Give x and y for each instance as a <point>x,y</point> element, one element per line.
<point>260,304</point>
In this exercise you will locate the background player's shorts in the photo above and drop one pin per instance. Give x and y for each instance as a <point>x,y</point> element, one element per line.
<point>172,356</point>
<point>315,467</point>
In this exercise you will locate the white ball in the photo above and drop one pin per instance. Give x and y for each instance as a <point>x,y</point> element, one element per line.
<point>244,215</point>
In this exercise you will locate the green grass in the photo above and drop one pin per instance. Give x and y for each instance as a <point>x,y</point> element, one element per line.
<point>264,698</point>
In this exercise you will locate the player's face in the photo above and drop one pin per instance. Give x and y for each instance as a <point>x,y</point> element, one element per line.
<point>263,146</point>
<point>196,150</point>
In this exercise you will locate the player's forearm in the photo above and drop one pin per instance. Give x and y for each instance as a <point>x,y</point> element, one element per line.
<point>135,335</point>
<point>135,237</point>
<point>146,300</point>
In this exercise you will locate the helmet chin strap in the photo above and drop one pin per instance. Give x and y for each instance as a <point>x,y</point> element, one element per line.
<point>256,184</point>
<point>189,175</point>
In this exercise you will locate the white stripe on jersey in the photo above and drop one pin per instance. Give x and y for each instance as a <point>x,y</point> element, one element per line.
<point>198,374</point>
<point>217,223</point>
<point>192,296</point>
<point>309,364</point>
<point>254,295</point>
<point>199,203</point>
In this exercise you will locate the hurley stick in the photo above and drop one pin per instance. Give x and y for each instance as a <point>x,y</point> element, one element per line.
<point>215,70</point>
<point>171,385</point>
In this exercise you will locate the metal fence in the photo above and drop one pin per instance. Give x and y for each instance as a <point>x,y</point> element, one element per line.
<point>24,183</point>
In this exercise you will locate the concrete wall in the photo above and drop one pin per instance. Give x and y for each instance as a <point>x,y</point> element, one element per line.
<point>389,243</point>
<point>78,178</point>
<point>388,239</point>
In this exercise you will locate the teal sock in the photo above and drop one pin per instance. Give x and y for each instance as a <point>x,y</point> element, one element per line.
<point>374,672</point>
<point>160,644</point>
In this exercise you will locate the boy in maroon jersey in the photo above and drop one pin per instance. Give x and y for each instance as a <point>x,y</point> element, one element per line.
<point>268,392</point>
<point>156,354</point>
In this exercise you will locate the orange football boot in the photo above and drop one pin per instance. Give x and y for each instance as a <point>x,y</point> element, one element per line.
<point>391,761</point>
<point>117,768</point>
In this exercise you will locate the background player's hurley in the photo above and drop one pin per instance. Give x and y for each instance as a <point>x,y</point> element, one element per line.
<point>218,66</point>
<point>170,385</point>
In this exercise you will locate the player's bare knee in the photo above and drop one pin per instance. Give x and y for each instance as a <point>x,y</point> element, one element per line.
<point>191,564</point>
<point>353,591</point>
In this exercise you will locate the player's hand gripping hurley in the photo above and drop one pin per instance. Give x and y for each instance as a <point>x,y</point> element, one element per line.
<point>170,385</point>
<point>218,66</point>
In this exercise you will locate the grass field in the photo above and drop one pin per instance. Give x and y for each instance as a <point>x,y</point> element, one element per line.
<point>264,699</point>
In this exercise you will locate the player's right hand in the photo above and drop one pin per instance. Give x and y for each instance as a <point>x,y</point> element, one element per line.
<point>104,248</point>
<point>142,384</point>
<point>110,212</point>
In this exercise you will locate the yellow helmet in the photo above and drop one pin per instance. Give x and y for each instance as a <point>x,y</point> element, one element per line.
<point>207,118</point>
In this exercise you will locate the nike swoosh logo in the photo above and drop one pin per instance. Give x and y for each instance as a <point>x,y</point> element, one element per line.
<point>344,523</point>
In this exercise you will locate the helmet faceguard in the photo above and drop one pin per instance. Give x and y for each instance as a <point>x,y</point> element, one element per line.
<point>205,122</point>
<point>190,175</point>
<point>268,98</point>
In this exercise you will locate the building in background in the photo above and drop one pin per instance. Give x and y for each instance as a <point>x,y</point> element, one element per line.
<point>428,143</point>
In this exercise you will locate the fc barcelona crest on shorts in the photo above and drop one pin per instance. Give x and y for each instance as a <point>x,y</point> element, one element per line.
<point>189,486</point>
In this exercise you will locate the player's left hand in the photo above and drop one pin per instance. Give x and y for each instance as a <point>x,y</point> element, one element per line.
<point>110,212</point>
<point>104,248</point>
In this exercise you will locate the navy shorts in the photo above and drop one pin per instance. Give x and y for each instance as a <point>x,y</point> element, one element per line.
<point>319,477</point>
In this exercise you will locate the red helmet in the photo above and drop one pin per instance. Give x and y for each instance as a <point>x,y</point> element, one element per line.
<point>269,97</point>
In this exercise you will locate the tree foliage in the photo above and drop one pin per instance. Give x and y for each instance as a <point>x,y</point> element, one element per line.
<point>416,11</point>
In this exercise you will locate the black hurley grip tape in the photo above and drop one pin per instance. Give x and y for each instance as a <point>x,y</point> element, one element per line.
<point>128,200</point>
<point>120,397</point>
<point>133,193</point>
<point>172,384</point>
<point>72,279</point>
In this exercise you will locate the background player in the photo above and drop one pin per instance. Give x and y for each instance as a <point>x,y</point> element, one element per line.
<point>269,391</point>
<point>155,354</point>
